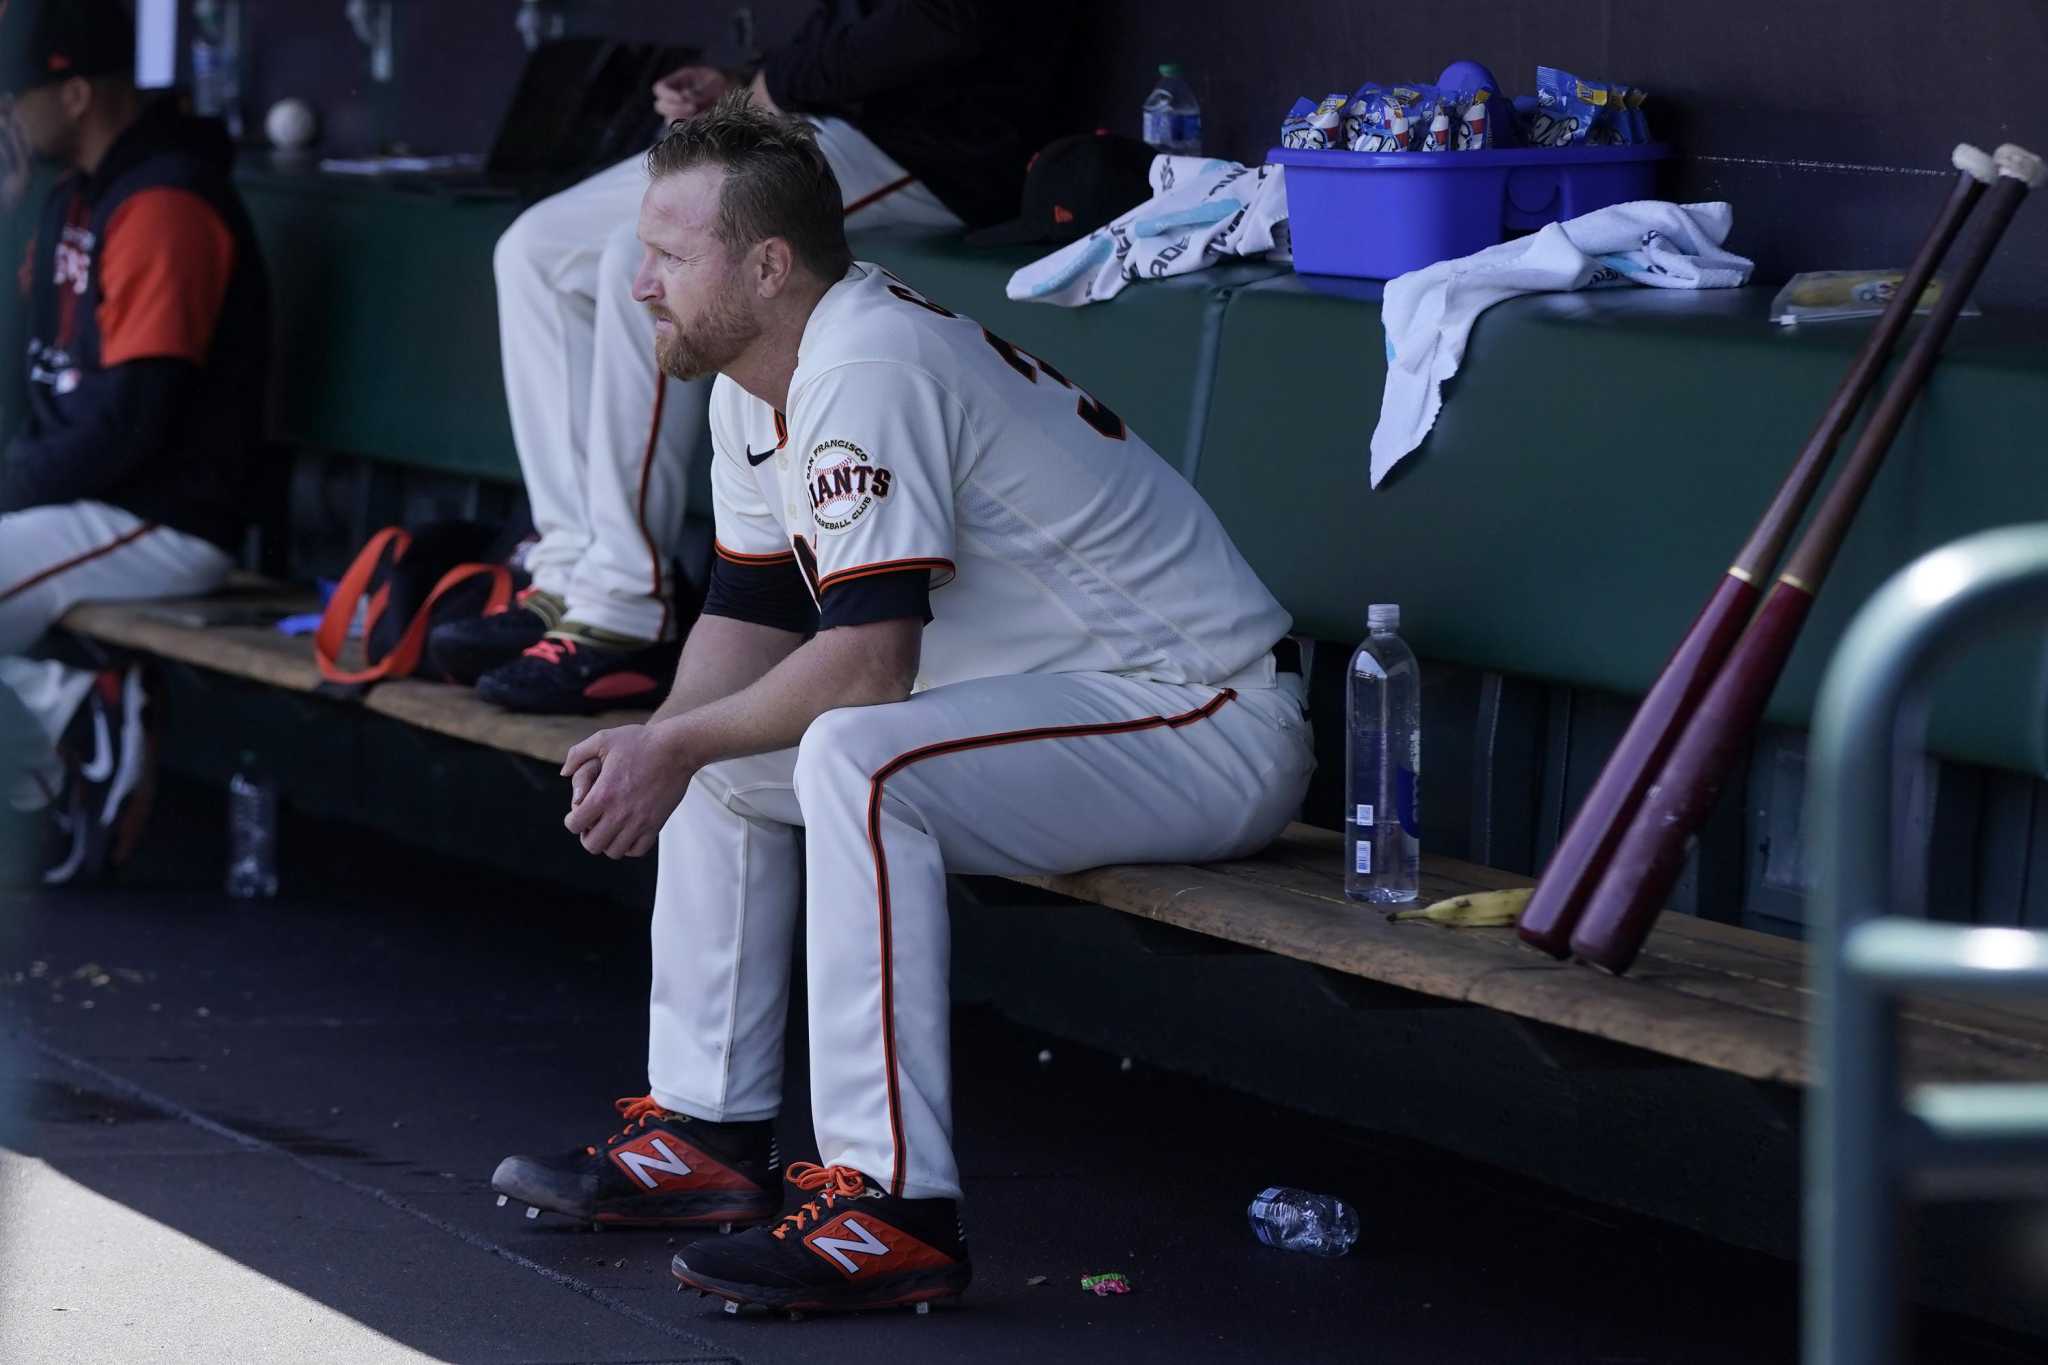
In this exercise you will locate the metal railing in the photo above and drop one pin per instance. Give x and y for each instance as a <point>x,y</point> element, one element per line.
<point>1871,1143</point>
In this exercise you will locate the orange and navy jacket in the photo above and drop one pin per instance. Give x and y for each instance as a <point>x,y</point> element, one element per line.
<point>149,333</point>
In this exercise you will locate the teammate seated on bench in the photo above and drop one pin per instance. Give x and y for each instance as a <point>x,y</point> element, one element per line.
<point>148,330</point>
<point>961,620</point>
<point>927,111</point>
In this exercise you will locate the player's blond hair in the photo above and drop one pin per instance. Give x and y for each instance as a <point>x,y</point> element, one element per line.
<point>777,181</point>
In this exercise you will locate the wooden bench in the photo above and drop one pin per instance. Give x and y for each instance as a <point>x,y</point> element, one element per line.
<point>1706,993</point>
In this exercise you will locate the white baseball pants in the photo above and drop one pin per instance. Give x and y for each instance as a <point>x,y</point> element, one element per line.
<point>1034,773</point>
<point>52,558</point>
<point>604,439</point>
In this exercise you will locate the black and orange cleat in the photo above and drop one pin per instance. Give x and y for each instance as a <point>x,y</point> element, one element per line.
<point>465,649</point>
<point>849,1246</point>
<point>574,673</point>
<point>662,1170</point>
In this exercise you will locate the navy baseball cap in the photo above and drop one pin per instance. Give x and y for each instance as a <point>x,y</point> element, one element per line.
<point>1074,186</point>
<point>52,40</point>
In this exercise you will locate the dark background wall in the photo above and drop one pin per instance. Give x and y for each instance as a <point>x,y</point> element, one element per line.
<point>1828,124</point>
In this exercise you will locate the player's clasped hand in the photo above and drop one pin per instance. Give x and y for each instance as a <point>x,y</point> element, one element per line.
<point>623,786</point>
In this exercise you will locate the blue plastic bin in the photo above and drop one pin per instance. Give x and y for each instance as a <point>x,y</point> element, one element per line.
<point>1376,215</point>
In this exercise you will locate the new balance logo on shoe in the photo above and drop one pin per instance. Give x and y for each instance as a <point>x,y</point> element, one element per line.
<point>881,1247</point>
<point>841,1249</point>
<point>652,1158</point>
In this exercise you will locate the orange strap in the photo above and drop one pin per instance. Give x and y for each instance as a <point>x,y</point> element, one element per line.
<point>341,608</point>
<point>405,656</point>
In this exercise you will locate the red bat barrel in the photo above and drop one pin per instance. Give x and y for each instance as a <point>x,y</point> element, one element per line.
<point>1650,854</point>
<point>1581,856</point>
<point>1553,909</point>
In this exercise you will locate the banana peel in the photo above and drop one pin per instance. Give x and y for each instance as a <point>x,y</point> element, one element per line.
<point>1487,909</point>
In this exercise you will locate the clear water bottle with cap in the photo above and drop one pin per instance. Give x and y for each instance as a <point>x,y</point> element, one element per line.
<point>1172,119</point>
<point>1295,1220</point>
<point>252,831</point>
<point>1383,765</point>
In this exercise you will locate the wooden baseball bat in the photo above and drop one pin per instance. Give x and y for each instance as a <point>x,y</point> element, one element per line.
<point>1651,852</point>
<point>1553,911</point>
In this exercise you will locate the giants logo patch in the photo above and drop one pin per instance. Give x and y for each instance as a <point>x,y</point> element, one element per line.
<point>843,484</point>
<point>859,1244</point>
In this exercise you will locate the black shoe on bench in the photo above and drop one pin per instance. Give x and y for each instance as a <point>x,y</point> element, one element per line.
<point>576,672</point>
<point>663,1170</point>
<point>467,648</point>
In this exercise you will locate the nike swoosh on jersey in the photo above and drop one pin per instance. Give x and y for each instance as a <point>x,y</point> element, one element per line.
<point>102,766</point>
<point>754,459</point>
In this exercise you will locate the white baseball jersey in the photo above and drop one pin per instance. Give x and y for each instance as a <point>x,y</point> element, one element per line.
<point>1054,538</point>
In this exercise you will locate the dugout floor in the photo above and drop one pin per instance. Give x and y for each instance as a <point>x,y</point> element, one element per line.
<point>254,1133</point>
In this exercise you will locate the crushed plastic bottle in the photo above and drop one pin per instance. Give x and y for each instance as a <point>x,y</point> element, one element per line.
<point>1295,1220</point>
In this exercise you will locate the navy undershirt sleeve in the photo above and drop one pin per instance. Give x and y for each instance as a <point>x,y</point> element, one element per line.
<point>764,594</point>
<point>906,593</point>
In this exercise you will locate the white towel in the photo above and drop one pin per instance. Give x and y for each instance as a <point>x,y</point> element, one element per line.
<point>1428,313</point>
<point>1199,210</point>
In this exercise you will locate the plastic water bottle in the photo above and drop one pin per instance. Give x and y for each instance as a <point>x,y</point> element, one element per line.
<point>1383,765</point>
<point>1171,117</point>
<point>252,832</point>
<point>1295,1220</point>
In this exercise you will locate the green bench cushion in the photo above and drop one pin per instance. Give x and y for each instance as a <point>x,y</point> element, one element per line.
<point>1597,463</point>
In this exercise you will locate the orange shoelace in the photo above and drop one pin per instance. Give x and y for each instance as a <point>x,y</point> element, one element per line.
<point>551,649</point>
<point>519,599</point>
<point>832,1182</point>
<point>638,1111</point>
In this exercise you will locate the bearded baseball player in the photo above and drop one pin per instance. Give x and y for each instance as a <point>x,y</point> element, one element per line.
<point>962,620</point>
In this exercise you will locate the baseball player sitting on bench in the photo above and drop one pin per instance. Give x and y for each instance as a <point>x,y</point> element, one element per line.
<point>962,620</point>
<point>927,111</point>
<point>148,327</point>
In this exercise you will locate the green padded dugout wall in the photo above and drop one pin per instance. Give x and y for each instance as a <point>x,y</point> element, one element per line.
<point>386,320</point>
<point>1597,463</point>
<point>1147,353</point>
<point>388,342</point>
